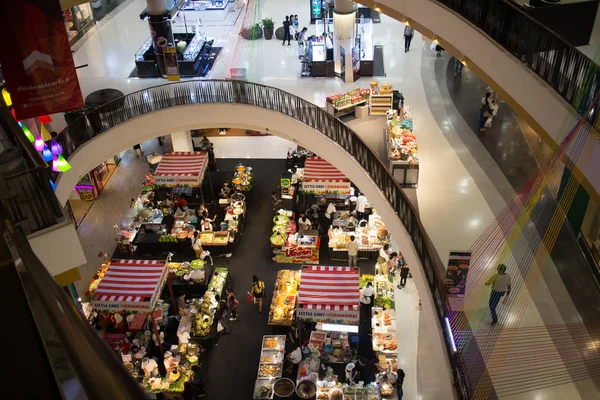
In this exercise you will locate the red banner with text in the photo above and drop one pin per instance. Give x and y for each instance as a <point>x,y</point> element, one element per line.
<point>36,58</point>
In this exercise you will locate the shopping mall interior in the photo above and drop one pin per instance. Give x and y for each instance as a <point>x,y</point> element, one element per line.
<point>424,172</point>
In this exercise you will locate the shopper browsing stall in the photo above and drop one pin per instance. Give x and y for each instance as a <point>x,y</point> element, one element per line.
<point>352,248</point>
<point>304,223</point>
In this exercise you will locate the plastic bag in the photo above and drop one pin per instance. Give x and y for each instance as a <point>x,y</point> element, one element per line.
<point>250,298</point>
<point>219,327</point>
<point>488,123</point>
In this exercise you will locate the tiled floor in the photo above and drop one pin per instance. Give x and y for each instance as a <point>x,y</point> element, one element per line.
<point>462,186</point>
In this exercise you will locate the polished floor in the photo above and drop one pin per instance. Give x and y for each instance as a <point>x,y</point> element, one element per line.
<point>464,181</point>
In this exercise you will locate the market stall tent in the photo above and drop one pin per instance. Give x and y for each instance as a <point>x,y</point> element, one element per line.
<point>181,168</point>
<point>320,177</point>
<point>130,285</point>
<point>329,294</point>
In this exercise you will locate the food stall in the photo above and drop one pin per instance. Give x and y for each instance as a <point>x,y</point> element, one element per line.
<point>402,148</point>
<point>283,303</point>
<point>329,295</point>
<point>190,278</point>
<point>320,177</point>
<point>182,169</point>
<point>204,325</point>
<point>298,248</point>
<point>370,234</point>
<point>270,366</point>
<point>342,104</point>
<point>243,178</point>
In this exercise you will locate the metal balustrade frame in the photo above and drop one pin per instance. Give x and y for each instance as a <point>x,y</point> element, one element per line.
<point>548,55</point>
<point>232,91</point>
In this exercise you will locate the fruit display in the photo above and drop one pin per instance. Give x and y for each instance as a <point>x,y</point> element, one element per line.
<point>364,278</point>
<point>100,272</point>
<point>371,392</point>
<point>184,268</point>
<point>167,239</point>
<point>403,141</point>
<point>217,238</point>
<point>202,320</point>
<point>284,298</point>
<point>353,96</point>
<point>384,288</point>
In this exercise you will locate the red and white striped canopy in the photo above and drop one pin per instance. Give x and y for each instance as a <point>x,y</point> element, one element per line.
<point>181,167</point>
<point>130,285</point>
<point>329,288</point>
<point>317,169</point>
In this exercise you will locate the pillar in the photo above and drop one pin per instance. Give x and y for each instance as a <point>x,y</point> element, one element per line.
<point>160,30</point>
<point>344,21</point>
<point>182,141</point>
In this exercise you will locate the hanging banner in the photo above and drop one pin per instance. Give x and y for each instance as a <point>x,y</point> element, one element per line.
<point>171,64</point>
<point>456,274</point>
<point>36,58</point>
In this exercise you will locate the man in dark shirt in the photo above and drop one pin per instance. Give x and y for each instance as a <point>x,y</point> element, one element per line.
<point>286,28</point>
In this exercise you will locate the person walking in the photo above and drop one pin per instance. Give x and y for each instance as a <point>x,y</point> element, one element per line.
<point>286,30</point>
<point>501,284</point>
<point>399,382</point>
<point>408,35</point>
<point>222,314</point>
<point>258,291</point>
<point>233,303</point>
<point>403,275</point>
<point>458,66</point>
<point>352,248</point>
<point>484,111</point>
<point>197,244</point>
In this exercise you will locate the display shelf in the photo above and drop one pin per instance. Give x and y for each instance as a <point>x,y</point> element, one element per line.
<point>350,105</point>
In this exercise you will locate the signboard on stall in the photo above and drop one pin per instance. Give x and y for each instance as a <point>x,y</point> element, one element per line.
<point>324,187</point>
<point>164,180</point>
<point>171,63</point>
<point>298,255</point>
<point>331,316</point>
<point>456,273</point>
<point>36,58</point>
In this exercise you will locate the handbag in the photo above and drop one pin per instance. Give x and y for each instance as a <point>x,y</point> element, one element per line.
<point>250,298</point>
<point>486,114</point>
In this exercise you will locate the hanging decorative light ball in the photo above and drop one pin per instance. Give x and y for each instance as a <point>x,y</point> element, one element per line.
<point>28,133</point>
<point>55,164</point>
<point>39,143</point>
<point>55,147</point>
<point>63,165</point>
<point>47,154</point>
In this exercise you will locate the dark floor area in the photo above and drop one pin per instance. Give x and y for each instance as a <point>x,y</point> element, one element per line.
<point>504,140</point>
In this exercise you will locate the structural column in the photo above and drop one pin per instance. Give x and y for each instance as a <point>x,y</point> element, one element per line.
<point>182,141</point>
<point>160,30</point>
<point>344,17</point>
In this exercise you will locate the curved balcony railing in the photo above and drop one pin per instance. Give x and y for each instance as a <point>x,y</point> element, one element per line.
<point>156,98</point>
<point>574,76</point>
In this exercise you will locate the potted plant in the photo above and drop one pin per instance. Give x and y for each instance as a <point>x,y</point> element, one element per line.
<point>252,33</point>
<point>268,28</point>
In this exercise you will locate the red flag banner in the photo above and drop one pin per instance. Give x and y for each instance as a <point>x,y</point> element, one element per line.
<point>36,58</point>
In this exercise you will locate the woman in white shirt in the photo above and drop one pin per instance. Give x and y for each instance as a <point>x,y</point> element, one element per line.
<point>329,212</point>
<point>206,225</point>
<point>383,258</point>
<point>197,244</point>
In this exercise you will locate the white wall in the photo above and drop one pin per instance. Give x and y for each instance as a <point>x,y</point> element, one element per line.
<point>58,249</point>
<point>251,147</point>
<point>216,115</point>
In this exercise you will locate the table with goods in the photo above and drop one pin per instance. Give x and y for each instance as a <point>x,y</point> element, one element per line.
<point>204,325</point>
<point>381,99</point>
<point>270,367</point>
<point>370,234</point>
<point>179,370</point>
<point>346,103</point>
<point>190,278</point>
<point>299,248</point>
<point>283,303</point>
<point>402,148</point>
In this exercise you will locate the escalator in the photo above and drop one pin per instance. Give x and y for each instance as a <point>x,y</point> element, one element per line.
<point>27,372</point>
